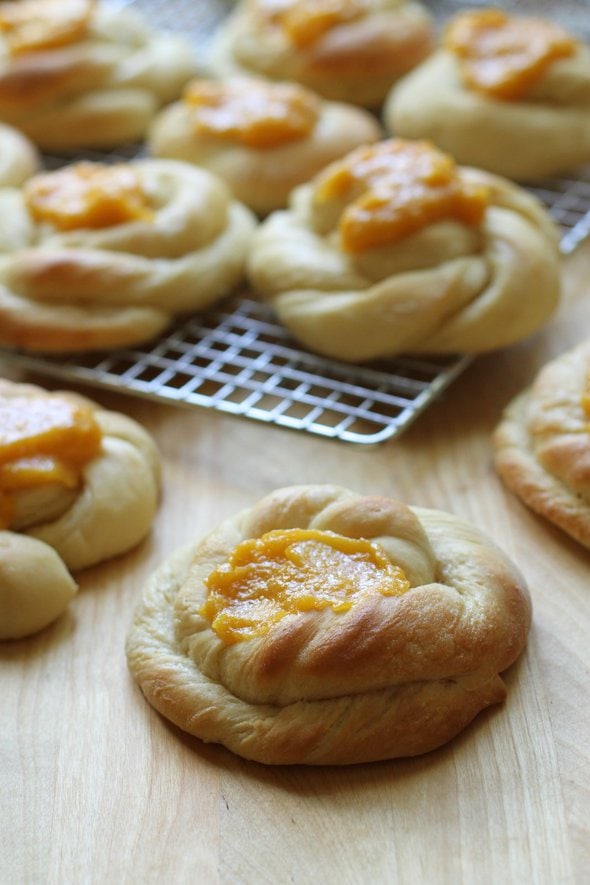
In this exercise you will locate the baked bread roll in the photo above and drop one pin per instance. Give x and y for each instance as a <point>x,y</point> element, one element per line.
<point>95,256</point>
<point>18,157</point>
<point>542,443</point>
<point>324,627</point>
<point>78,485</point>
<point>504,93</point>
<point>261,138</point>
<point>82,74</point>
<point>345,50</point>
<point>395,249</point>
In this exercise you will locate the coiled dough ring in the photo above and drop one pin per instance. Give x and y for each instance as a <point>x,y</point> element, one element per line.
<point>122,284</point>
<point>448,287</point>
<point>543,131</point>
<point>389,676</point>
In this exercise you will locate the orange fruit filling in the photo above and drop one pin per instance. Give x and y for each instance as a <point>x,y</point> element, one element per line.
<point>294,571</point>
<point>503,56</point>
<point>43,440</point>
<point>252,112</point>
<point>394,189</point>
<point>307,21</point>
<point>87,195</point>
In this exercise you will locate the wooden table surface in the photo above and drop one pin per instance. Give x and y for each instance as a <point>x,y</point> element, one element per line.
<point>95,787</point>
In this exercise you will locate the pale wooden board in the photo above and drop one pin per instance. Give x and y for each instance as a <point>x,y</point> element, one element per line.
<point>95,787</point>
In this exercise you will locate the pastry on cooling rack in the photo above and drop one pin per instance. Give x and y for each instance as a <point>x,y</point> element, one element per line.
<point>18,157</point>
<point>395,249</point>
<point>261,138</point>
<point>505,93</point>
<point>78,485</point>
<point>345,50</point>
<point>324,627</point>
<point>97,256</point>
<point>542,443</point>
<point>78,74</point>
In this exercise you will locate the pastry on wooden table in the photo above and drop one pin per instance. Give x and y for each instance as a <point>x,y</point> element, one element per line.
<point>18,157</point>
<point>326,627</point>
<point>82,74</point>
<point>345,50</point>
<point>78,485</point>
<point>396,249</point>
<point>542,443</point>
<point>99,256</point>
<point>506,93</point>
<point>261,138</point>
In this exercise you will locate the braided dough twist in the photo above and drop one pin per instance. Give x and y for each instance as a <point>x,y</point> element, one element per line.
<point>393,676</point>
<point>448,288</point>
<point>120,285</point>
<point>355,61</point>
<point>544,133</point>
<point>98,91</point>
<point>542,444</point>
<point>55,528</point>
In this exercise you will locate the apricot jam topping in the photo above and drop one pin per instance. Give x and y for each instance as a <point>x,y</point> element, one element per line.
<point>34,25</point>
<point>43,440</point>
<point>503,56</point>
<point>395,188</point>
<point>306,21</point>
<point>87,195</point>
<point>252,112</point>
<point>292,571</point>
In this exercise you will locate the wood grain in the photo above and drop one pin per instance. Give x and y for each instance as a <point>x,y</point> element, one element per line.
<point>95,787</point>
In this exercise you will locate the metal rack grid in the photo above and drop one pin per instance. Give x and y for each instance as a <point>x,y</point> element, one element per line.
<point>237,359</point>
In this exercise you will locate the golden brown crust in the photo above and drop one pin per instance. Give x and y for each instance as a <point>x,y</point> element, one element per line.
<point>354,62</point>
<point>114,507</point>
<point>97,92</point>
<point>393,676</point>
<point>120,285</point>
<point>448,288</point>
<point>544,133</point>
<point>262,178</point>
<point>542,444</point>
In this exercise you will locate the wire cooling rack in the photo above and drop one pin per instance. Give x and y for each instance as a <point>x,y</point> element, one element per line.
<point>236,358</point>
